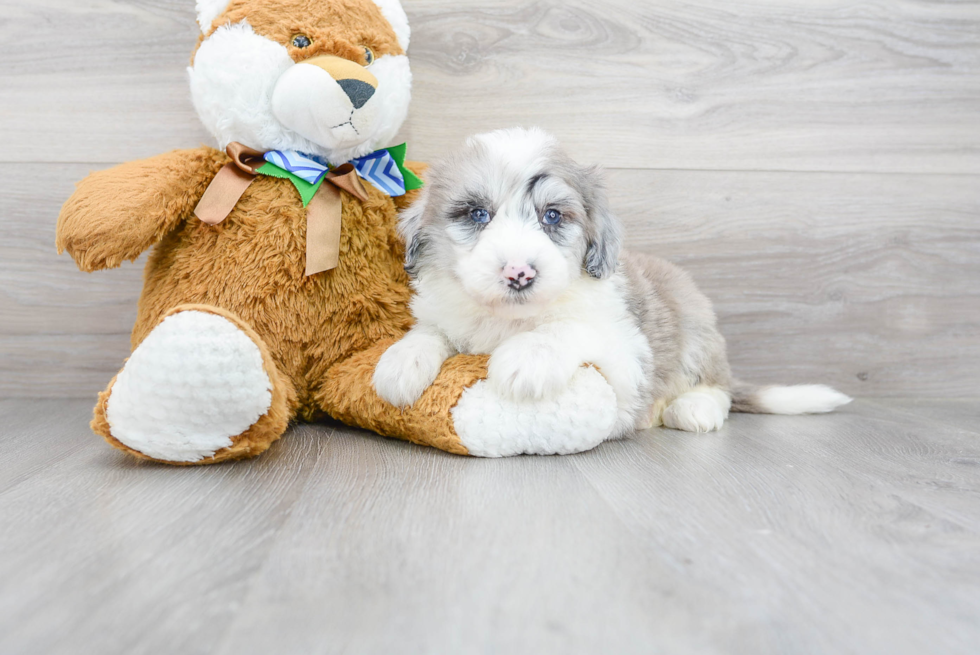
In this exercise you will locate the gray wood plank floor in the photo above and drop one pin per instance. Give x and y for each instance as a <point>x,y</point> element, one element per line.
<point>857,532</point>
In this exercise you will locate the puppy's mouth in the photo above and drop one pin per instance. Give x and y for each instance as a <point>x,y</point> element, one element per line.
<point>501,300</point>
<point>515,296</point>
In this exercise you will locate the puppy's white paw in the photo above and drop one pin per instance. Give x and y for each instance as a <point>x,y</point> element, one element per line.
<point>405,371</point>
<point>697,411</point>
<point>529,366</point>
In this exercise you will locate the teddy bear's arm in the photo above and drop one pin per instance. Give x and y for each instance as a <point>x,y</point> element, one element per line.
<point>401,202</point>
<point>116,214</point>
<point>461,414</point>
<point>348,395</point>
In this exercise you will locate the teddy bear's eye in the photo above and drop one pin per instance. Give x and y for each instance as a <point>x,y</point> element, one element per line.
<point>302,41</point>
<point>368,56</point>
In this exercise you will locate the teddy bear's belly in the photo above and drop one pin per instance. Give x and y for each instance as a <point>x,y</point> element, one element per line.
<point>255,268</point>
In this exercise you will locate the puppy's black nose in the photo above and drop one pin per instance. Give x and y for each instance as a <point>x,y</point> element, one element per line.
<point>519,276</point>
<point>359,92</point>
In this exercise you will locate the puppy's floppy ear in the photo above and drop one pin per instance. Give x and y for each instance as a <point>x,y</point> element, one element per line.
<point>410,227</point>
<point>603,231</point>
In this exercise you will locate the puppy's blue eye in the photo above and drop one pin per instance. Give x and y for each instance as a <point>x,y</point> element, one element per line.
<point>480,215</point>
<point>551,217</point>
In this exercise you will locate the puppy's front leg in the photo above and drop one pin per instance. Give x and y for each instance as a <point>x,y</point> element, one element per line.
<point>540,363</point>
<point>411,365</point>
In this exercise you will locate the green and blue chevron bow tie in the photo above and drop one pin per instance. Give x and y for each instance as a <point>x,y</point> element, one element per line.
<point>385,169</point>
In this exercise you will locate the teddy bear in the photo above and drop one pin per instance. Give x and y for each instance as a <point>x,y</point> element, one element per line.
<point>276,278</point>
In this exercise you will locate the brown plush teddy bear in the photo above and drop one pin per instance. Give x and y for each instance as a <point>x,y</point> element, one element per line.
<point>277,279</point>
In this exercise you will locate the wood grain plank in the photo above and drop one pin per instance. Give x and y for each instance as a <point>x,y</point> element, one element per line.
<point>60,365</point>
<point>926,463</point>
<point>775,514</point>
<point>28,448</point>
<point>775,535</point>
<point>859,281</point>
<point>951,413</point>
<point>41,292</point>
<point>113,556</point>
<point>751,85</point>
<point>761,85</point>
<point>401,549</point>
<point>109,86</point>
<point>868,282</point>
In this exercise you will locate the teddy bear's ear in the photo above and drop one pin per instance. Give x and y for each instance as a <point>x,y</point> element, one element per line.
<point>207,11</point>
<point>392,10</point>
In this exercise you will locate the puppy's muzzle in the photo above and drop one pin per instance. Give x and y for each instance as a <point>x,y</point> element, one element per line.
<point>519,276</point>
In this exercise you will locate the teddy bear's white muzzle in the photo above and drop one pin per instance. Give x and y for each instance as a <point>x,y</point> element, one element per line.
<point>309,101</point>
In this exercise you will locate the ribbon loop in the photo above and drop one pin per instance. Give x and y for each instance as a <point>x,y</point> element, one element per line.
<point>345,177</point>
<point>245,158</point>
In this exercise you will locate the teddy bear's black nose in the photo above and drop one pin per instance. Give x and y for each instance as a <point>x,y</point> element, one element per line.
<point>359,92</point>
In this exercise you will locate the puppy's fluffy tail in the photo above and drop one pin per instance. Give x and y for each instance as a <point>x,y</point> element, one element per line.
<point>799,399</point>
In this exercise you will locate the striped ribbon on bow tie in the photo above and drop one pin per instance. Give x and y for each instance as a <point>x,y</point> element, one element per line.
<point>380,169</point>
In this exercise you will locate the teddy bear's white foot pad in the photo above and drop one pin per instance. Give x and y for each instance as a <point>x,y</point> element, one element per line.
<point>196,381</point>
<point>581,418</point>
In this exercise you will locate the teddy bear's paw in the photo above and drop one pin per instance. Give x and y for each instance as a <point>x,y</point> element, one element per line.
<point>578,419</point>
<point>196,381</point>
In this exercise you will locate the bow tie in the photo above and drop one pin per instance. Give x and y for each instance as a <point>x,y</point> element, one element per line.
<point>384,169</point>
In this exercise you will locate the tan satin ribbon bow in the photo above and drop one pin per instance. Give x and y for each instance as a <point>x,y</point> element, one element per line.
<point>323,214</point>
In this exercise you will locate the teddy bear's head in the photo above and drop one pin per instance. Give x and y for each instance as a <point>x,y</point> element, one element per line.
<point>328,78</point>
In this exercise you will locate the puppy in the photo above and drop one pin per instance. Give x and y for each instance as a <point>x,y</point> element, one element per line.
<point>514,253</point>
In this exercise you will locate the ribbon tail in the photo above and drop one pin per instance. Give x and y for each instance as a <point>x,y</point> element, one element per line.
<point>223,194</point>
<point>323,222</point>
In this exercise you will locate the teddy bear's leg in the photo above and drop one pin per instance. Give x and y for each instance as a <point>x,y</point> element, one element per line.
<point>200,388</point>
<point>460,413</point>
<point>579,419</point>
